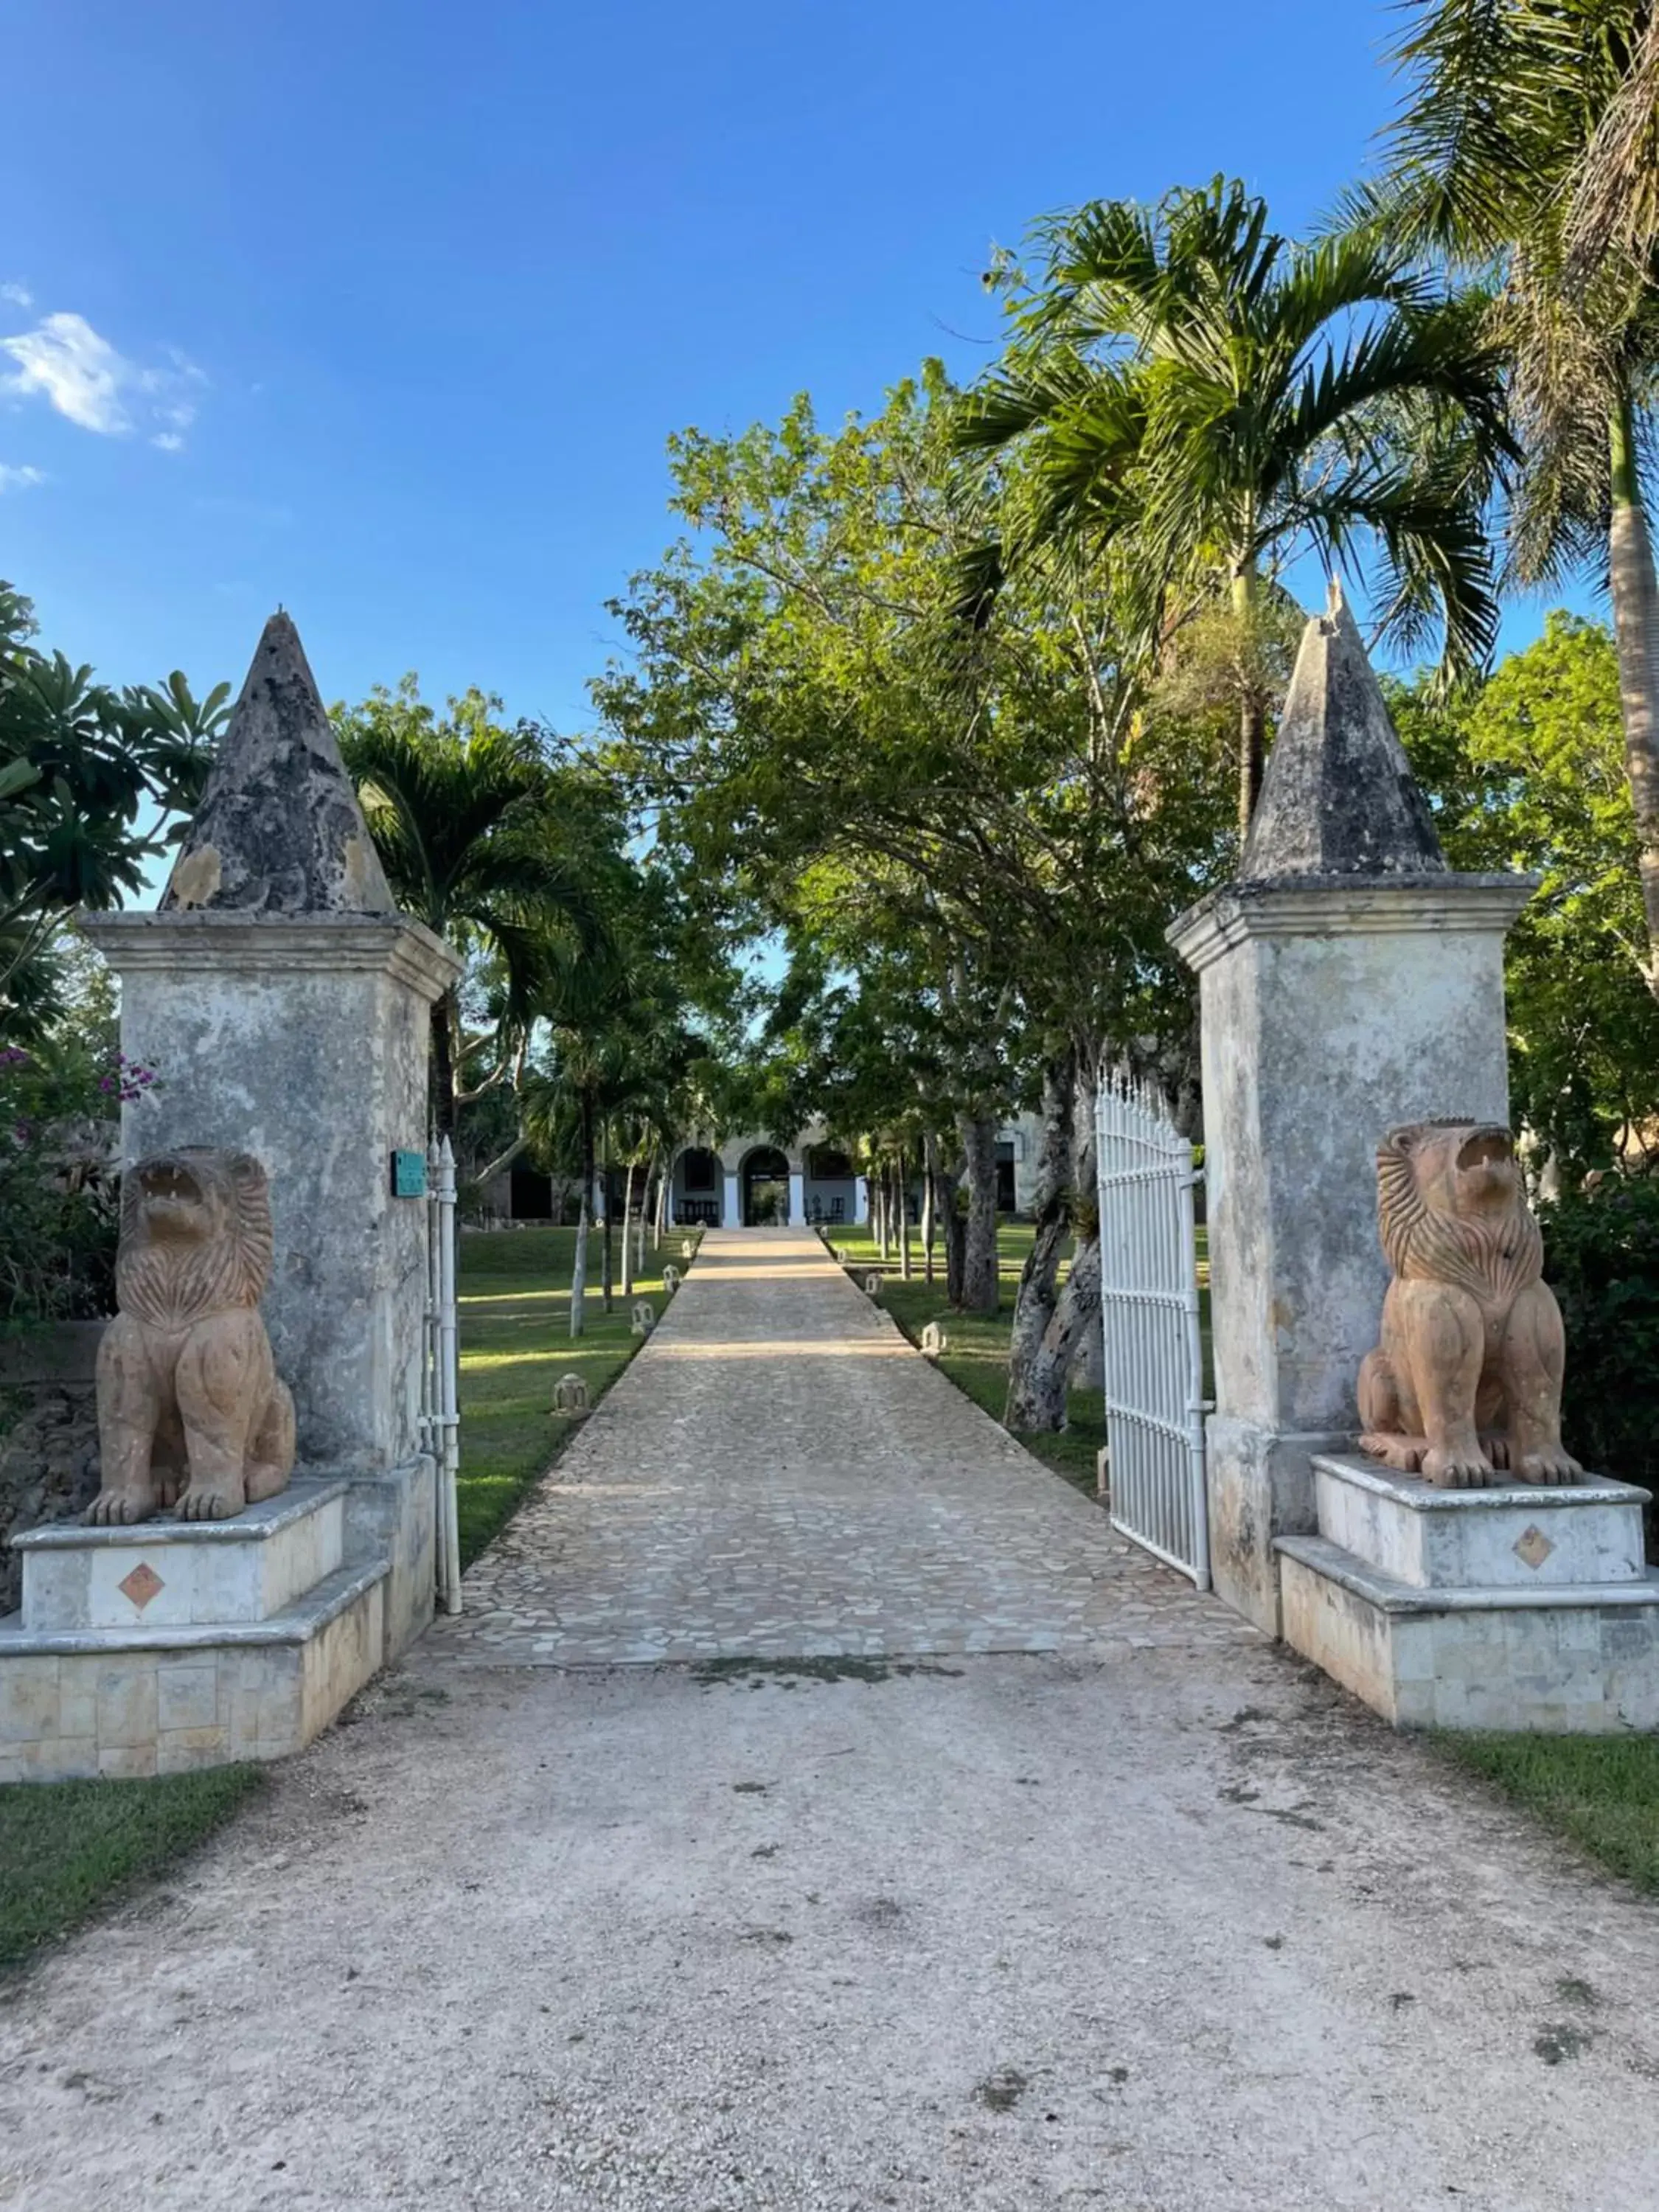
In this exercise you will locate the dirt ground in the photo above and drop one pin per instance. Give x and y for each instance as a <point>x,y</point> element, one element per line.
<point>1137,1932</point>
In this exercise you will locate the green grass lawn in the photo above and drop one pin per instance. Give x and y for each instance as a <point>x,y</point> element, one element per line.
<point>1601,1791</point>
<point>68,1849</point>
<point>976,1355</point>
<point>513,1292</point>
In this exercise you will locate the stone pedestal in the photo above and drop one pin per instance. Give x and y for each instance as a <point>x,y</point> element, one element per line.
<point>1334,1008</point>
<point>731,1213</point>
<point>1513,1608</point>
<point>797,1200</point>
<point>175,1644</point>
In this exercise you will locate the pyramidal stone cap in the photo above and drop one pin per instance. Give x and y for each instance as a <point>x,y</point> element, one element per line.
<point>279,831</point>
<point>1337,797</point>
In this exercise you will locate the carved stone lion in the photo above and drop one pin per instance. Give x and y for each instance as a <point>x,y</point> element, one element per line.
<point>1468,1377</point>
<point>191,1412</point>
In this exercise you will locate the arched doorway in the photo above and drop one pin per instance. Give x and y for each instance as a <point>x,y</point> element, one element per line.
<point>765,1188</point>
<point>695,1193</point>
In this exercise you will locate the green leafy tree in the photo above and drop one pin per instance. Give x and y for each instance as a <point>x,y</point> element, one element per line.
<point>1183,377</point>
<point>1527,774</point>
<point>838,755</point>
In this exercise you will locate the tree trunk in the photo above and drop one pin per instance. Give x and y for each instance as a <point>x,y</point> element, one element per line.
<point>956,1234</point>
<point>927,1209</point>
<point>1089,1359</point>
<point>1252,711</point>
<point>443,1066</point>
<point>879,1197</point>
<point>1039,1281</point>
<point>904,1180</point>
<point>1636,628</point>
<point>579,1274</point>
<point>981,1288</point>
<point>1078,1311</point>
<point>627,1234</point>
<point>608,1274</point>
<point>659,1218</point>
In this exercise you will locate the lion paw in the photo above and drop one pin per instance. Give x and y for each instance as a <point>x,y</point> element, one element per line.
<point>1549,1465</point>
<point>1456,1470</point>
<point>1404,1454</point>
<point>118,1509</point>
<point>203,1503</point>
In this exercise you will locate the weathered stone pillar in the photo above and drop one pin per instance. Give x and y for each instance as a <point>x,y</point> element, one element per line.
<point>286,1007</point>
<point>796,1198</point>
<point>732,1217</point>
<point>1349,982</point>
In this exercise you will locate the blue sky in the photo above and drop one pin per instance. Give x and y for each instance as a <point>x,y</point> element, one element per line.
<point>384,310</point>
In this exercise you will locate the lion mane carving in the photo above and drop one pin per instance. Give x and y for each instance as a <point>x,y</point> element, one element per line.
<point>1466,1380</point>
<point>191,1412</point>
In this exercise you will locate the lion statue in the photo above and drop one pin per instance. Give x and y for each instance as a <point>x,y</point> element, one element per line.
<point>191,1414</point>
<point>1468,1377</point>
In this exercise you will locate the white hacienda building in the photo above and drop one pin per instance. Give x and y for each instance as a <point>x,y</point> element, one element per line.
<point>748,1181</point>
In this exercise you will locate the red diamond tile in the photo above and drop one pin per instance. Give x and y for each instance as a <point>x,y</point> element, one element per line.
<point>141,1585</point>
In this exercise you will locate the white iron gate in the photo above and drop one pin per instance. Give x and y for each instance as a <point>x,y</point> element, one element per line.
<point>1148,1311</point>
<point>441,1409</point>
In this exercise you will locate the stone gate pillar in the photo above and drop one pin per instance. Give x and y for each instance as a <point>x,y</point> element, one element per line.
<point>285,1005</point>
<point>1349,982</point>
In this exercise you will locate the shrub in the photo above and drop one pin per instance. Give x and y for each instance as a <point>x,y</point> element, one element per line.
<point>60,1204</point>
<point>1601,1258</point>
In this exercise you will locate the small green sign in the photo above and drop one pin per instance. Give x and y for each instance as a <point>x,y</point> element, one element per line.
<point>408,1175</point>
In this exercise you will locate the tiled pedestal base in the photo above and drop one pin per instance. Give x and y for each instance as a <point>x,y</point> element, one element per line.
<point>1511,1608</point>
<point>172,1645</point>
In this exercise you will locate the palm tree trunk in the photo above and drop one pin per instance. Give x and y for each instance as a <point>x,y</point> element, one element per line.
<point>626,1232</point>
<point>1252,714</point>
<point>579,1274</point>
<point>443,1065</point>
<point>608,1274</point>
<point>1636,628</point>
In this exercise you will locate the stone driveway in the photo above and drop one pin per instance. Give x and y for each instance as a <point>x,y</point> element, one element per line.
<point>780,1474</point>
<point>1148,1918</point>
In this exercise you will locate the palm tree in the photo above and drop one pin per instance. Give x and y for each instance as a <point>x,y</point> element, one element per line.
<point>1527,151</point>
<point>1185,379</point>
<point>465,817</point>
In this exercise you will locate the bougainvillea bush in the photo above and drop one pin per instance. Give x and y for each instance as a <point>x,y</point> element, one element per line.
<point>59,1132</point>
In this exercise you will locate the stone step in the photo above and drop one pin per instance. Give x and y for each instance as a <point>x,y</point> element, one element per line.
<point>166,1573</point>
<point>169,1699</point>
<point>1569,1658</point>
<point>1511,1535</point>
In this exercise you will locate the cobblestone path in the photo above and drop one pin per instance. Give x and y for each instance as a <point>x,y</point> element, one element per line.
<point>780,1474</point>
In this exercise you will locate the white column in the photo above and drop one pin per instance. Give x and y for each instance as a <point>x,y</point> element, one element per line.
<point>797,1200</point>
<point>732,1217</point>
<point>861,1202</point>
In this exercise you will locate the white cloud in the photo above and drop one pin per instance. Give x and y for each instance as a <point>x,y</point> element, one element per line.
<point>20,479</point>
<point>66,362</point>
<point>19,295</point>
